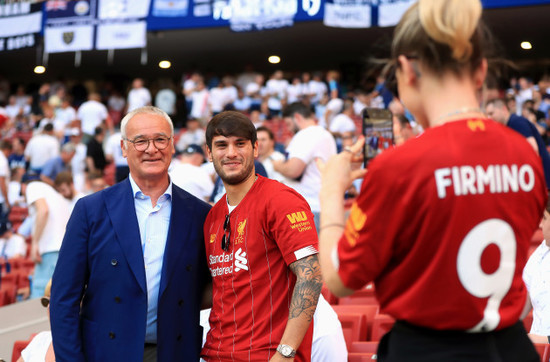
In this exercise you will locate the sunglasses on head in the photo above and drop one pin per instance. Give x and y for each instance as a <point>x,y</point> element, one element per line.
<point>226,233</point>
<point>45,301</point>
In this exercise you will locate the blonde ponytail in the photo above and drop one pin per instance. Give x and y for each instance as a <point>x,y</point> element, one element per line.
<point>451,22</point>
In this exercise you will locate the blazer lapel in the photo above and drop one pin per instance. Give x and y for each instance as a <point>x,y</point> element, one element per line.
<point>122,212</point>
<point>181,219</point>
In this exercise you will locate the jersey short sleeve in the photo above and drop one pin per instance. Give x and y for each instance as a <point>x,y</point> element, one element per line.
<point>35,191</point>
<point>290,221</point>
<point>300,148</point>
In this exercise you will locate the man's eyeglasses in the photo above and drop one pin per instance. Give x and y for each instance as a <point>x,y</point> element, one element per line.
<point>226,233</point>
<point>141,144</point>
<point>45,301</point>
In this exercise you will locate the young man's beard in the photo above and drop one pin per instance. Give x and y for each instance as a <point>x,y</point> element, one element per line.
<point>234,179</point>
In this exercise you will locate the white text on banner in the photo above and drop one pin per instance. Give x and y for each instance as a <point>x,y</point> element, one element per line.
<point>347,16</point>
<point>121,35</point>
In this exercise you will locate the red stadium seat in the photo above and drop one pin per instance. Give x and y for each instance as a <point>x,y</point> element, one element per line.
<point>354,327</point>
<point>543,351</point>
<point>364,347</point>
<point>363,296</point>
<point>18,347</point>
<point>3,297</point>
<point>18,214</point>
<point>381,325</point>
<point>369,311</point>
<point>9,284</point>
<point>361,357</point>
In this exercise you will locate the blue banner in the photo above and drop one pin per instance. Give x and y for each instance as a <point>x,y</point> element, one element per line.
<point>219,13</point>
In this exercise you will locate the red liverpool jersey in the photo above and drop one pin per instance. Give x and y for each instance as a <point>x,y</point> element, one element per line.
<point>252,284</point>
<point>443,225</point>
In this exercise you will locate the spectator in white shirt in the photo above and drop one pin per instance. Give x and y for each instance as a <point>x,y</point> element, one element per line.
<point>41,148</point>
<point>139,96</point>
<point>91,114</point>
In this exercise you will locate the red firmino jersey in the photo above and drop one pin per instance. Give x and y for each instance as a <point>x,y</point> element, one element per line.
<point>443,225</point>
<point>271,228</point>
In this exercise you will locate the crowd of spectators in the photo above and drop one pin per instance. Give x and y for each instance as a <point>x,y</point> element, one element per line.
<point>65,135</point>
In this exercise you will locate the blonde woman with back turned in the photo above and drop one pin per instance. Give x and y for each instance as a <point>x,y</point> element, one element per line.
<point>443,223</point>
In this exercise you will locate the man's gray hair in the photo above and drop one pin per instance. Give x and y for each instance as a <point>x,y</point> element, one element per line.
<point>144,110</point>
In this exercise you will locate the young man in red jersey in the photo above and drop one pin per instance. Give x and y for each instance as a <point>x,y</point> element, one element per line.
<point>261,248</point>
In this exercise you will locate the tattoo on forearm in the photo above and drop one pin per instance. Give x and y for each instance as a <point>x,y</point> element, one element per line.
<point>308,287</point>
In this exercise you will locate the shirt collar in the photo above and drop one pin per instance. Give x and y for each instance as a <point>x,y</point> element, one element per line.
<point>138,194</point>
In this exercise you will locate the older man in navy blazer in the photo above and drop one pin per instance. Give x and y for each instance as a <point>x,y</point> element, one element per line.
<point>132,270</point>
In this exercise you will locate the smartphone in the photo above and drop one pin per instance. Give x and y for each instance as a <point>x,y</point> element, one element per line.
<point>378,132</point>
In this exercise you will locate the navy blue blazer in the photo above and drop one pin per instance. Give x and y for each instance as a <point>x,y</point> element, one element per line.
<point>98,305</point>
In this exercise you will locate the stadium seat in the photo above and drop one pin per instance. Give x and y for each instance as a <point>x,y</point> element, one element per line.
<point>361,357</point>
<point>3,297</point>
<point>369,311</point>
<point>381,325</point>
<point>18,347</point>
<point>364,347</point>
<point>18,214</point>
<point>9,284</point>
<point>354,327</point>
<point>363,296</point>
<point>543,351</point>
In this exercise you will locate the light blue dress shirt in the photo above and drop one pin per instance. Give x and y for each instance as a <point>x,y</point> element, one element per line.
<point>153,230</point>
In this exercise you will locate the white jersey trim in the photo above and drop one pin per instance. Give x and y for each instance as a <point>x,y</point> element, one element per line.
<point>305,252</point>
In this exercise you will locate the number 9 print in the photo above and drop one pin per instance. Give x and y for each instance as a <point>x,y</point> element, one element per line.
<point>475,280</point>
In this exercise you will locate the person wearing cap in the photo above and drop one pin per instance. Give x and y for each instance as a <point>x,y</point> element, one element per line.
<point>189,175</point>
<point>50,212</point>
<point>58,164</point>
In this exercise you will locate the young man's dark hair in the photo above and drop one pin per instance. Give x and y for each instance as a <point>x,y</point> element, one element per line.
<point>297,107</point>
<point>266,130</point>
<point>230,123</point>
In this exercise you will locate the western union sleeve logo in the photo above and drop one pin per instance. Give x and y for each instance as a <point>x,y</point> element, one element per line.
<point>299,221</point>
<point>296,217</point>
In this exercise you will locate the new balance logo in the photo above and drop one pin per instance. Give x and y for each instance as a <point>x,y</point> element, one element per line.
<point>296,217</point>
<point>240,260</point>
<point>476,124</point>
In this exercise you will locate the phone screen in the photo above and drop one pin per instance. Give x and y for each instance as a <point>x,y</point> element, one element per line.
<point>378,132</point>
